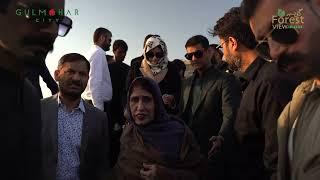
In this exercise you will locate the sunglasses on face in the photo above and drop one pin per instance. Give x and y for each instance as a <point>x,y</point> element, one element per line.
<point>64,23</point>
<point>158,55</point>
<point>197,54</point>
<point>283,36</point>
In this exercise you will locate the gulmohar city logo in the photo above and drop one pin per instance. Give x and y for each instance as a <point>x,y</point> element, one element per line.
<point>45,15</point>
<point>285,20</point>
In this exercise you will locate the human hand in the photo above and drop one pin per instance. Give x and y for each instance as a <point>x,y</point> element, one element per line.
<point>168,100</point>
<point>216,145</point>
<point>149,171</point>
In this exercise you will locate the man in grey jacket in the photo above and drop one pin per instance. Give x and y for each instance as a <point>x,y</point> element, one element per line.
<point>74,134</point>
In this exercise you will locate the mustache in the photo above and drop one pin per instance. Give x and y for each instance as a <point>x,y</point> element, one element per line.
<point>45,40</point>
<point>77,83</point>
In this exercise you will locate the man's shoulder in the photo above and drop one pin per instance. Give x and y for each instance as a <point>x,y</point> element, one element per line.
<point>49,99</point>
<point>90,109</point>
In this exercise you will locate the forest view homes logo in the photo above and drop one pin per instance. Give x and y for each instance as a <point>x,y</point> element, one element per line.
<point>283,20</point>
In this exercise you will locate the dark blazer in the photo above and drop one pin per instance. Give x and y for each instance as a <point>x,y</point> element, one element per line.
<point>94,151</point>
<point>217,108</point>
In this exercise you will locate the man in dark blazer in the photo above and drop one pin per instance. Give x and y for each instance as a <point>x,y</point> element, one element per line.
<point>74,133</point>
<point>209,103</point>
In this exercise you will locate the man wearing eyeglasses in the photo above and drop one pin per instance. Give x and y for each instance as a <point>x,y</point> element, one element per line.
<point>22,42</point>
<point>266,91</point>
<point>296,50</point>
<point>210,99</point>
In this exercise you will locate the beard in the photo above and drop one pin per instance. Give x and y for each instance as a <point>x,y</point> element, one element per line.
<point>36,57</point>
<point>234,62</point>
<point>303,66</point>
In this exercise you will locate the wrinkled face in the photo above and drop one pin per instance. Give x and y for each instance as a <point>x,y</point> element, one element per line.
<point>199,57</point>
<point>142,106</point>
<point>119,54</point>
<point>27,40</point>
<point>155,55</point>
<point>229,55</point>
<point>106,42</point>
<point>301,54</point>
<point>72,78</point>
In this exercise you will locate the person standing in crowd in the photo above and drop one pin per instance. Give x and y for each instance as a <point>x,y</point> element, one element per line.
<point>156,66</point>
<point>118,72</point>
<point>181,67</point>
<point>34,71</point>
<point>216,58</point>
<point>266,91</point>
<point>140,58</point>
<point>23,42</point>
<point>155,145</point>
<point>75,134</point>
<point>209,102</point>
<point>99,88</point>
<point>296,51</point>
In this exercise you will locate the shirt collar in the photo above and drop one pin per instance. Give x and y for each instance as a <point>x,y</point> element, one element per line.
<point>80,106</point>
<point>98,48</point>
<point>314,86</point>
<point>253,69</point>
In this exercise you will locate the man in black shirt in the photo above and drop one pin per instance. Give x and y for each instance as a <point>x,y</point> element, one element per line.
<point>118,73</point>
<point>266,91</point>
<point>23,41</point>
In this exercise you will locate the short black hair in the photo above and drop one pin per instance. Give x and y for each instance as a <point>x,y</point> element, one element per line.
<point>99,32</point>
<point>119,43</point>
<point>4,5</point>
<point>248,8</point>
<point>218,51</point>
<point>231,25</point>
<point>198,39</point>
<point>73,57</point>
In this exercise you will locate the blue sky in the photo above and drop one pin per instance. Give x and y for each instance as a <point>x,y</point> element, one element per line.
<point>131,20</point>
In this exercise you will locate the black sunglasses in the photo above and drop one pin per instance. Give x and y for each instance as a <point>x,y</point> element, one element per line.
<point>282,36</point>
<point>158,55</point>
<point>64,23</point>
<point>197,54</point>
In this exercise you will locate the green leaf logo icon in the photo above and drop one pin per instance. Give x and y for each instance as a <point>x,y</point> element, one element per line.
<point>281,13</point>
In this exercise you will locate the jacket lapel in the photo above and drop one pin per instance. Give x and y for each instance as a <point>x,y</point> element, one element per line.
<point>50,119</point>
<point>85,130</point>
<point>187,90</point>
<point>208,82</point>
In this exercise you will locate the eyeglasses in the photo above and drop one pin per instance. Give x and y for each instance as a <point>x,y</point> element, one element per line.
<point>281,35</point>
<point>197,54</point>
<point>158,55</point>
<point>64,23</point>
<point>220,45</point>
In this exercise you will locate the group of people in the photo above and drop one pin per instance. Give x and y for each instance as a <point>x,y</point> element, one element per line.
<point>250,109</point>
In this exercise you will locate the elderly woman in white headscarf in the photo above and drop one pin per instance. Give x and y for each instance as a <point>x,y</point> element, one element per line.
<point>157,66</point>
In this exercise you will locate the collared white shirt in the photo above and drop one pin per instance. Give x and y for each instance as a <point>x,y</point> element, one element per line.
<point>99,87</point>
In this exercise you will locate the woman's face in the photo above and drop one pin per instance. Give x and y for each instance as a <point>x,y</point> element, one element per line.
<point>154,55</point>
<point>142,106</point>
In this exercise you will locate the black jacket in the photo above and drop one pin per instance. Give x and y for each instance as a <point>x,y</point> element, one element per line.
<point>20,130</point>
<point>217,108</point>
<point>266,91</point>
<point>34,72</point>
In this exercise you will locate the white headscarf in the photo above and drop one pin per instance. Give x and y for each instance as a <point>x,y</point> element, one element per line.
<point>162,64</point>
